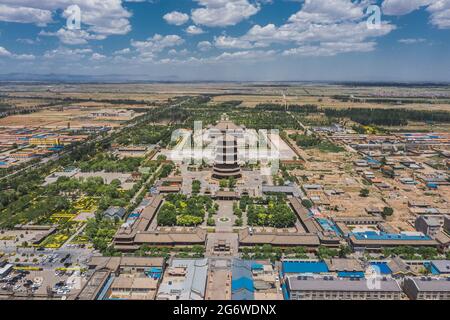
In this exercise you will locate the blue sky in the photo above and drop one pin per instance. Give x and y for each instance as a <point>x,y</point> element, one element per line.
<point>229,39</point>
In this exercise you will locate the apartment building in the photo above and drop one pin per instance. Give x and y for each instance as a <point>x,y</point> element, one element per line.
<point>331,288</point>
<point>427,288</point>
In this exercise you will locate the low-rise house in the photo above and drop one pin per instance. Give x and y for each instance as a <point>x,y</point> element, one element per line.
<point>185,279</point>
<point>115,212</point>
<point>442,267</point>
<point>408,181</point>
<point>307,187</point>
<point>443,238</point>
<point>435,180</point>
<point>290,190</point>
<point>424,211</point>
<point>361,163</point>
<point>429,225</point>
<point>108,269</point>
<point>400,268</point>
<point>375,210</point>
<point>278,239</point>
<point>345,268</point>
<point>447,224</point>
<point>421,204</point>
<point>135,288</point>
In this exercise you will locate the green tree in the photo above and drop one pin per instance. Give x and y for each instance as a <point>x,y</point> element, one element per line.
<point>223,183</point>
<point>167,215</point>
<point>188,220</point>
<point>387,212</point>
<point>231,183</point>
<point>307,203</point>
<point>344,251</point>
<point>364,193</point>
<point>326,253</point>
<point>196,186</point>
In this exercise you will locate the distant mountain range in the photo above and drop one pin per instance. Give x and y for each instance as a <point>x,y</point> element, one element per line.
<point>126,78</point>
<point>52,77</point>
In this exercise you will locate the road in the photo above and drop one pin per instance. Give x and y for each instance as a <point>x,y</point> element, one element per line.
<point>298,122</point>
<point>144,185</point>
<point>32,166</point>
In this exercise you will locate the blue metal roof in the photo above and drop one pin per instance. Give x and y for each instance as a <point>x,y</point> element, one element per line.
<point>103,292</point>
<point>328,225</point>
<point>372,235</point>
<point>242,283</point>
<point>286,295</point>
<point>304,267</point>
<point>257,266</point>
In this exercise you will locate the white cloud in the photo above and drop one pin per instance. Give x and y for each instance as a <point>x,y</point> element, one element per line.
<point>439,10</point>
<point>252,55</point>
<point>224,42</point>
<point>336,26</point>
<point>223,13</point>
<point>122,52</point>
<point>412,40</point>
<point>440,13</point>
<point>4,52</point>
<point>25,57</point>
<point>402,7</point>
<point>63,53</point>
<point>73,37</point>
<point>25,15</point>
<point>174,52</point>
<point>101,17</point>
<point>328,49</point>
<point>319,28</point>
<point>27,41</point>
<point>204,45</point>
<point>7,54</point>
<point>149,48</point>
<point>246,56</point>
<point>194,30</point>
<point>97,56</point>
<point>330,11</point>
<point>176,18</point>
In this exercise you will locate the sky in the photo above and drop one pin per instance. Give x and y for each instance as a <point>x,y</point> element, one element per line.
<point>233,40</point>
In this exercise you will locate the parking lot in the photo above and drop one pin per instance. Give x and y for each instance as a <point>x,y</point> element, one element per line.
<point>45,282</point>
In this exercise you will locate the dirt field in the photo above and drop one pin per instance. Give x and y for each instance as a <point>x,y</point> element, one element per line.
<point>428,98</point>
<point>323,102</point>
<point>55,119</point>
